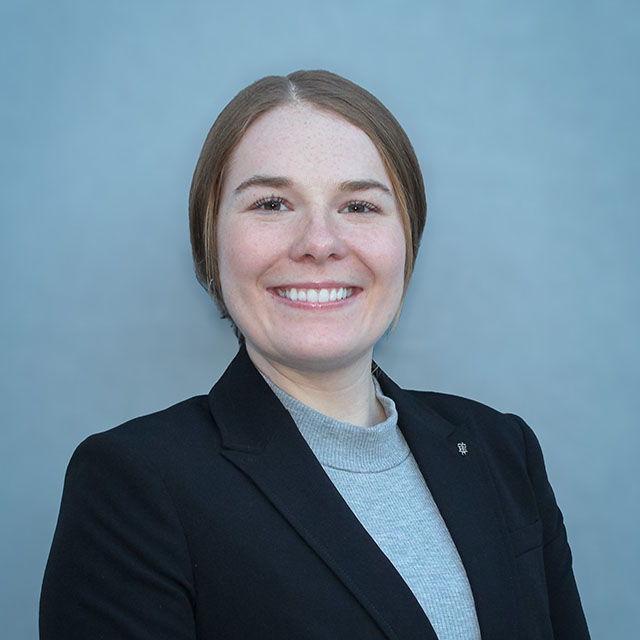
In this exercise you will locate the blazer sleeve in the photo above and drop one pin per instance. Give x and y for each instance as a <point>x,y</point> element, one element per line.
<point>119,565</point>
<point>567,616</point>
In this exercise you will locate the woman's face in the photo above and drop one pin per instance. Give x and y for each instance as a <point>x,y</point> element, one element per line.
<point>311,245</point>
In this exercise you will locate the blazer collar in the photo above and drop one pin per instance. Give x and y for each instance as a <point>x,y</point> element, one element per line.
<point>451,459</point>
<point>261,439</point>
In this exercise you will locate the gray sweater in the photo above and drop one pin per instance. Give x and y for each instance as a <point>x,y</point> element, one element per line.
<point>376,474</point>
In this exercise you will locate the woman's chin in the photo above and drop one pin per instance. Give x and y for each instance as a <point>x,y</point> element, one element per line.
<point>314,355</point>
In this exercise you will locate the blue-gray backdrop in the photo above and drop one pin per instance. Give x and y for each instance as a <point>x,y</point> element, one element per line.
<point>525,118</point>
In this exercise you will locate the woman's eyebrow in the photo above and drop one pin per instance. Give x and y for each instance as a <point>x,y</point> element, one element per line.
<point>263,181</point>
<point>281,181</point>
<point>364,185</point>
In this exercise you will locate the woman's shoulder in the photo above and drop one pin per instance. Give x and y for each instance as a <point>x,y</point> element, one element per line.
<point>500,431</point>
<point>447,413</point>
<point>460,410</point>
<point>178,420</point>
<point>161,439</point>
<point>455,406</point>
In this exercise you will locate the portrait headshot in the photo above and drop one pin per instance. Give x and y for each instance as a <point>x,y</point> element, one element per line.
<point>320,321</point>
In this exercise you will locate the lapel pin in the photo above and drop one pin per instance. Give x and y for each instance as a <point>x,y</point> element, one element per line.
<point>462,448</point>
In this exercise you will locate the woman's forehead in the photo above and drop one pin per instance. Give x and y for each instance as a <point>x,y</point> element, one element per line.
<point>302,140</point>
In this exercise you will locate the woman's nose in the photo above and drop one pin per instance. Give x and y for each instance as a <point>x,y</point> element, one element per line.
<point>320,238</point>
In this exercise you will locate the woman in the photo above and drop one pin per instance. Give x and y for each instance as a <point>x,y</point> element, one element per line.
<point>305,497</point>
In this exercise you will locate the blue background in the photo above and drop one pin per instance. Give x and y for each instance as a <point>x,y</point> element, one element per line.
<point>525,119</point>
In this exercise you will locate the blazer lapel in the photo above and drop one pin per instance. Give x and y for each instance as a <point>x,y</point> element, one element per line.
<point>261,439</point>
<point>450,459</point>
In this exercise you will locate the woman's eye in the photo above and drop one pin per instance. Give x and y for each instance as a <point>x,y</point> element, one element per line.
<point>360,207</point>
<point>272,203</point>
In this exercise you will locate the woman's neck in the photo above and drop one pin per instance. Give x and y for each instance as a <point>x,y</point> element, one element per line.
<point>346,394</point>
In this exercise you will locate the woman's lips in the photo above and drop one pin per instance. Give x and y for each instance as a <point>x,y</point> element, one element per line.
<point>316,294</point>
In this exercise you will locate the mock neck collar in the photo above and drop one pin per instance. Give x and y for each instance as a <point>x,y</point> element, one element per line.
<point>341,445</point>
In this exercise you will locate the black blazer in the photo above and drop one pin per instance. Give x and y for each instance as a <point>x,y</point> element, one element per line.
<point>213,519</point>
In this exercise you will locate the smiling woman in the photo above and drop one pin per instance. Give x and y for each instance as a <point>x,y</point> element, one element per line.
<point>306,497</point>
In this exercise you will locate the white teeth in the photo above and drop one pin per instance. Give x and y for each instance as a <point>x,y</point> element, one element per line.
<point>315,295</point>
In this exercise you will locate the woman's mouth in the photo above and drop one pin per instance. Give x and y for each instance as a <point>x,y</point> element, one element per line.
<point>318,295</point>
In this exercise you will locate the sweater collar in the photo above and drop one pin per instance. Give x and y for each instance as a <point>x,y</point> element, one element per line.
<point>345,446</point>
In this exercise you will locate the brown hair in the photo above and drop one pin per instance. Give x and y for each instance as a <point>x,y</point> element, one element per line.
<point>324,90</point>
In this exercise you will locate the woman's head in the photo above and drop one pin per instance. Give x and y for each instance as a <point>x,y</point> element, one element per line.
<point>311,247</point>
<point>327,92</point>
